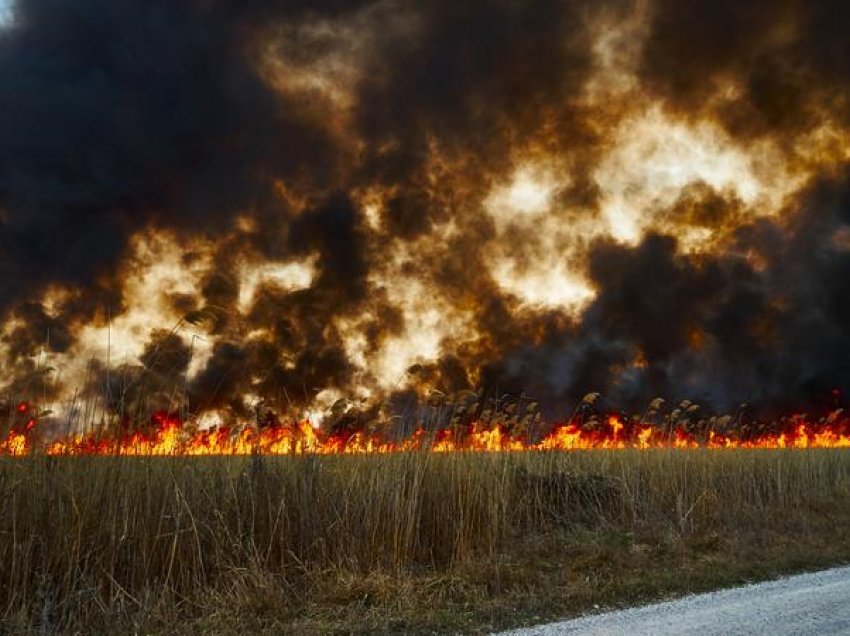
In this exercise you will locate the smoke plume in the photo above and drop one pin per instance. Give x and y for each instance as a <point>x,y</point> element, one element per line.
<point>215,206</point>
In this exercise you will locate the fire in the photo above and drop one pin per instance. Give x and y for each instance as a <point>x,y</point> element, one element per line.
<point>167,435</point>
<point>18,440</point>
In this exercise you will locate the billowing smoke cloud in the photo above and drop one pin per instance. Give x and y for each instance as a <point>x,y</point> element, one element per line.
<point>216,205</point>
<point>764,321</point>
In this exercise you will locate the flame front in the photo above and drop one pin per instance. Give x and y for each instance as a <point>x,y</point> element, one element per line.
<point>168,436</point>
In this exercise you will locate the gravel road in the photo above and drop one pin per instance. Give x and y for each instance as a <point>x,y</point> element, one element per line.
<point>817,603</point>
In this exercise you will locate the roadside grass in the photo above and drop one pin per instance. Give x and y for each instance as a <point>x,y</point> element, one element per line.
<point>411,542</point>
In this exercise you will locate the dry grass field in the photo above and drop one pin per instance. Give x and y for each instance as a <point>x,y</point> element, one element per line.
<point>414,542</point>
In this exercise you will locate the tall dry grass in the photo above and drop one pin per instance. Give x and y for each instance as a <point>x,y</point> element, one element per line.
<point>93,541</point>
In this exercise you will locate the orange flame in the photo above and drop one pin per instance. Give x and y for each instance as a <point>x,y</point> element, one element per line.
<point>169,437</point>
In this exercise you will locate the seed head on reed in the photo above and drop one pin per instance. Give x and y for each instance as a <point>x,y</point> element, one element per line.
<point>656,404</point>
<point>590,399</point>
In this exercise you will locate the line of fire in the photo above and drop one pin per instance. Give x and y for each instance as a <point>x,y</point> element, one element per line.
<point>513,428</point>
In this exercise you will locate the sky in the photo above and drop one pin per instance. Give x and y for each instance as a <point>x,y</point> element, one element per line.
<point>297,203</point>
<point>5,12</point>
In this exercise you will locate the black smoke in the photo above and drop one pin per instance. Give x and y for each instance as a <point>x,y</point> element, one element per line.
<point>765,322</point>
<point>120,117</point>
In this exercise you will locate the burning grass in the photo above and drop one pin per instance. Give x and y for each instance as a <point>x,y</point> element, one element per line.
<point>408,541</point>
<point>507,426</point>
